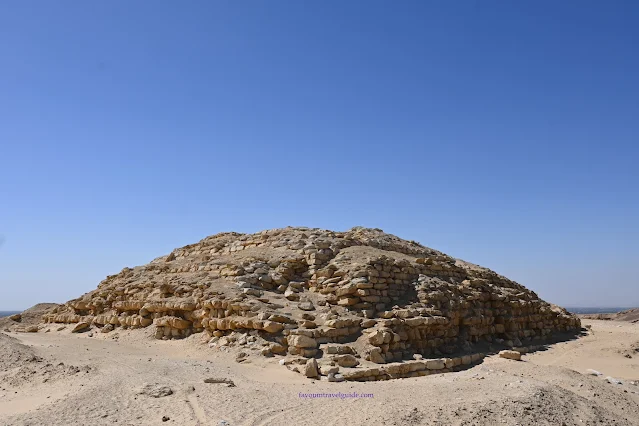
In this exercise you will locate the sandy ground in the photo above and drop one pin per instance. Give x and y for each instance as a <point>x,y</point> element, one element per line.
<point>58,378</point>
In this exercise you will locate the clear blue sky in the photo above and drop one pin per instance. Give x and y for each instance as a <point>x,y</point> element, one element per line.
<point>503,133</point>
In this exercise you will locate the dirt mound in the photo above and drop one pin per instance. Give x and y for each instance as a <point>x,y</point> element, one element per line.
<point>13,353</point>
<point>630,315</point>
<point>19,364</point>
<point>336,304</point>
<point>27,320</point>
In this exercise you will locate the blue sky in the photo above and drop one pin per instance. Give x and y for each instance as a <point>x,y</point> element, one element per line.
<point>503,133</point>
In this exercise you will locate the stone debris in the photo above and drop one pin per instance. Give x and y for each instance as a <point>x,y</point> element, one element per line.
<point>359,300</point>
<point>228,382</point>
<point>81,326</point>
<point>335,377</point>
<point>328,369</point>
<point>155,390</point>
<point>107,328</point>
<point>310,369</point>
<point>614,381</point>
<point>514,355</point>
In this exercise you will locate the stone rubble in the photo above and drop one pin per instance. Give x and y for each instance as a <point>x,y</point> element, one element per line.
<point>354,305</point>
<point>514,355</point>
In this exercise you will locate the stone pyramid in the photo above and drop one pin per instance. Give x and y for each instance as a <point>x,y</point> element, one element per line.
<point>369,302</point>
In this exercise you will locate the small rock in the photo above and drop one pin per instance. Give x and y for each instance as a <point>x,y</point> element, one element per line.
<point>155,390</point>
<point>306,306</point>
<point>81,326</point>
<point>327,369</point>
<point>614,381</point>
<point>335,378</point>
<point>165,418</point>
<point>592,372</point>
<point>376,356</point>
<point>346,360</point>
<point>107,328</point>
<point>227,382</point>
<point>252,292</point>
<point>276,348</point>
<point>367,323</point>
<point>514,355</point>
<point>301,341</point>
<point>291,295</point>
<point>310,369</point>
<point>273,327</point>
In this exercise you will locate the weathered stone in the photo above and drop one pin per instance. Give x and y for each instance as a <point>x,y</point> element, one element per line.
<point>155,390</point>
<point>310,369</point>
<point>335,377</point>
<point>291,294</point>
<point>376,338</point>
<point>514,355</point>
<point>339,350</point>
<point>301,341</point>
<point>107,328</point>
<point>81,326</point>
<point>376,356</point>
<point>272,327</point>
<point>346,360</point>
<point>306,306</point>
<point>435,364</point>
<point>326,369</point>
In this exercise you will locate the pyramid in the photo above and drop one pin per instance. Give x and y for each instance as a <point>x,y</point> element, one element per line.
<point>354,305</point>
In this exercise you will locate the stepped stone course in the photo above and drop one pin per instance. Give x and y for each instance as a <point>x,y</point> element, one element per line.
<point>365,304</point>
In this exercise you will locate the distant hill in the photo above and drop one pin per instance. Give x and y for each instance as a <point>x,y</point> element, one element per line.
<point>589,310</point>
<point>631,315</point>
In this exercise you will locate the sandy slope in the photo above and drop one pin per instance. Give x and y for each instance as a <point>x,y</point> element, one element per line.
<point>101,377</point>
<point>631,315</point>
<point>32,317</point>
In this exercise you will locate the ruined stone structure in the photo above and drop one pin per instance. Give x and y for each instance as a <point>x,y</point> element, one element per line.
<point>355,305</point>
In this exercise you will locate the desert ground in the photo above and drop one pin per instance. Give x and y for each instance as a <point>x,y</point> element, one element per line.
<point>129,378</point>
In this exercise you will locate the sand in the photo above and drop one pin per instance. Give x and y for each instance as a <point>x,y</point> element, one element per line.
<point>128,378</point>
